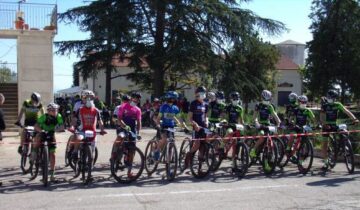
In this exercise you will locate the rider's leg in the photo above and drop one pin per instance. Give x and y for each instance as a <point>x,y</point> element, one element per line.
<point>52,150</point>
<point>35,146</point>
<point>22,140</point>
<point>118,141</point>
<point>160,146</point>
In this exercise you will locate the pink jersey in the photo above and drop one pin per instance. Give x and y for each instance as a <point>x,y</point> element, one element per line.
<point>129,114</point>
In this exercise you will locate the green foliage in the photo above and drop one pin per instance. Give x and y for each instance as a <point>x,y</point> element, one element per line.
<point>5,74</point>
<point>334,52</point>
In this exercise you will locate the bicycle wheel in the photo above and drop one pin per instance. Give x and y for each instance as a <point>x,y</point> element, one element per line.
<point>25,159</point>
<point>96,154</point>
<point>241,159</point>
<point>305,156</point>
<point>332,152</point>
<point>250,142</point>
<point>150,162</point>
<point>349,156</point>
<point>171,158</point>
<point>217,155</point>
<point>281,150</point>
<point>34,168</point>
<point>184,149</point>
<point>86,162</point>
<point>269,157</point>
<point>45,165</point>
<point>129,171</point>
<point>200,165</point>
<point>68,153</point>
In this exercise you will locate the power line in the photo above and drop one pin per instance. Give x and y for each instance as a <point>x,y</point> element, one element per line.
<point>7,52</point>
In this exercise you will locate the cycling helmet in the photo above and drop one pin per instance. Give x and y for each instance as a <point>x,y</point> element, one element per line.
<point>87,93</point>
<point>234,96</point>
<point>52,105</point>
<point>292,97</point>
<point>211,96</point>
<point>171,95</point>
<point>136,95</point>
<point>266,95</point>
<point>220,95</point>
<point>332,94</point>
<point>303,99</point>
<point>200,89</point>
<point>36,97</point>
<point>156,100</point>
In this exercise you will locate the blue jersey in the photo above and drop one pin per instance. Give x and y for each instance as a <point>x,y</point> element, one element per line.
<point>167,113</point>
<point>199,110</point>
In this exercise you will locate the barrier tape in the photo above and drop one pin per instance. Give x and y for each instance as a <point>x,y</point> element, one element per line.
<point>256,137</point>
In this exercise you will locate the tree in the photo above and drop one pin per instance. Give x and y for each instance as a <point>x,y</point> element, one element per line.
<point>178,39</point>
<point>5,73</point>
<point>250,69</point>
<point>334,52</point>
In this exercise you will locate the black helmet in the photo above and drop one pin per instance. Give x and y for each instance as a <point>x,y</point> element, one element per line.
<point>332,94</point>
<point>125,97</point>
<point>136,95</point>
<point>35,97</point>
<point>200,89</point>
<point>220,95</point>
<point>234,96</point>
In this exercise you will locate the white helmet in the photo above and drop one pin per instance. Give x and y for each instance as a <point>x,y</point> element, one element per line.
<point>266,95</point>
<point>211,96</point>
<point>292,97</point>
<point>86,93</point>
<point>303,99</point>
<point>52,105</point>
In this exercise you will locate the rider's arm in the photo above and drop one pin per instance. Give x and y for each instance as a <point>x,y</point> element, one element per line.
<point>277,119</point>
<point>138,120</point>
<point>348,113</point>
<point>101,124</point>
<point>22,111</point>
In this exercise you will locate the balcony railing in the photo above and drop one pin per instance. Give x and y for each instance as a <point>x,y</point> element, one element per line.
<point>28,16</point>
<point>8,73</point>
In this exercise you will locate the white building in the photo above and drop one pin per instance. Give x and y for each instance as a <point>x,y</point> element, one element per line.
<point>288,78</point>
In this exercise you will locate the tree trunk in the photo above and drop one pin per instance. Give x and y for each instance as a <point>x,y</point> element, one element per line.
<point>108,84</point>
<point>158,64</point>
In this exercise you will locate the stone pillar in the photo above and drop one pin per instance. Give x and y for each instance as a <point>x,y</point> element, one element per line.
<point>35,65</point>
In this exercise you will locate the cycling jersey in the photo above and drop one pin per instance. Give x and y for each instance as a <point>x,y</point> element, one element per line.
<point>265,113</point>
<point>332,111</point>
<point>48,122</point>
<point>31,112</point>
<point>234,113</point>
<point>167,114</point>
<point>199,110</point>
<point>302,116</point>
<point>215,110</point>
<point>290,110</point>
<point>88,118</point>
<point>129,114</point>
<point>77,106</point>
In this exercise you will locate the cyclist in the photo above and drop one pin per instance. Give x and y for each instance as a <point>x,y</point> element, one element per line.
<point>49,122</point>
<point>168,116</point>
<point>88,116</point>
<point>198,119</point>
<point>129,119</point>
<point>31,108</point>
<point>291,107</point>
<point>302,117</point>
<point>263,112</point>
<point>216,107</point>
<point>328,116</point>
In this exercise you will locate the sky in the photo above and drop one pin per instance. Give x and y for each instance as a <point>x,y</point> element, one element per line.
<point>293,13</point>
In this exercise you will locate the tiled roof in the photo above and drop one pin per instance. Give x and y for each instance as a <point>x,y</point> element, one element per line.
<point>286,63</point>
<point>289,42</point>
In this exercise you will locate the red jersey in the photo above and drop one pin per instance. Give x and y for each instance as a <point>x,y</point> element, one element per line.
<point>88,118</point>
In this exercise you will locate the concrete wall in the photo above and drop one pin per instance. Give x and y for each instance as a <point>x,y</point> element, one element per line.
<point>288,76</point>
<point>35,62</point>
<point>294,52</point>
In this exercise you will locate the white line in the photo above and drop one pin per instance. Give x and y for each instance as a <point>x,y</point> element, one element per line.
<point>196,191</point>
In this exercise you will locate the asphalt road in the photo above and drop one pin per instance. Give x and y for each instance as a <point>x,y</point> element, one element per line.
<point>284,190</point>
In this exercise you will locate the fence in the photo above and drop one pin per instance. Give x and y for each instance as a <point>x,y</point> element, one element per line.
<point>8,73</point>
<point>33,16</point>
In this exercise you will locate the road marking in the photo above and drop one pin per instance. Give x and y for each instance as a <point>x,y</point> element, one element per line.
<point>196,191</point>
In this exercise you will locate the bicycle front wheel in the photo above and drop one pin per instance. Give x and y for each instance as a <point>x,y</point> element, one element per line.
<point>45,165</point>
<point>184,149</point>
<point>150,162</point>
<point>241,159</point>
<point>349,156</point>
<point>171,161</point>
<point>305,156</point>
<point>200,164</point>
<point>25,160</point>
<point>269,157</point>
<point>129,166</point>
<point>87,163</point>
<point>332,152</point>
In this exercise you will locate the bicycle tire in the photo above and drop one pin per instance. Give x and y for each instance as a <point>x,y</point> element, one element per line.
<point>241,160</point>
<point>281,150</point>
<point>217,156</point>
<point>349,156</point>
<point>185,147</point>
<point>87,164</point>
<point>306,150</point>
<point>68,153</point>
<point>150,163</point>
<point>332,152</point>
<point>124,179</point>
<point>171,158</point>
<point>197,163</point>
<point>269,156</point>
<point>45,165</point>
<point>25,159</point>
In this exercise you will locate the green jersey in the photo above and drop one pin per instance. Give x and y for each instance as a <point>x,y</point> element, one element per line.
<point>215,109</point>
<point>48,123</point>
<point>332,112</point>
<point>234,113</point>
<point>265,112</point>
<point>31,112</point>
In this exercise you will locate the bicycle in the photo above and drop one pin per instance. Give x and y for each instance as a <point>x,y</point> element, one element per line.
<point>202,160</point>
<point>302,150</point>
<point>341,146</point>
<point>267,151</point>
<point>42,158</point>
<point>26,150</point>
<point>128,158</point>
<point>240,152</point>
<point>169,155</point>
<point>85,163</point>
